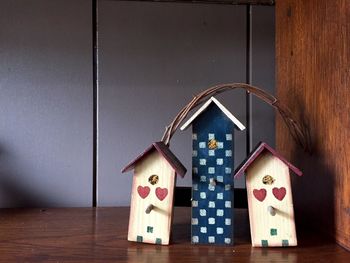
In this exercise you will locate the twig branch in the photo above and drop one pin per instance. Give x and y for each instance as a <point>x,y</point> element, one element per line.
<point>298,131</point>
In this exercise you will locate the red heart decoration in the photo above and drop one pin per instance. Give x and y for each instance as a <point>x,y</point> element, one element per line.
<point>259,194</point>
<point>279,193</point>
<point>161,193</point>
<point>143,191</point>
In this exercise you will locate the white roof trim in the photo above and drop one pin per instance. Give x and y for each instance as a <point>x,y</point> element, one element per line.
<point>238,124</point>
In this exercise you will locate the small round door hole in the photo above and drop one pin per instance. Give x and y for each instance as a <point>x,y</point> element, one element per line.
<point>153,179</point>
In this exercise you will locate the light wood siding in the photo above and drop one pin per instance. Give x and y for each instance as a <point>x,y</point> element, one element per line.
<point>261,222</point>
<point>160,217</point>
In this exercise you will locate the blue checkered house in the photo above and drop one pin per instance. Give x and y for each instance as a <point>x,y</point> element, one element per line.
<point>212,167</point>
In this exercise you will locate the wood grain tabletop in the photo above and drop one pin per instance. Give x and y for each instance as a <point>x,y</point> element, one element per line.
<point>99,235</point>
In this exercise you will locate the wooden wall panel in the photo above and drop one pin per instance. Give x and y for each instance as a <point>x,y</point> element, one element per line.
<point>45,103</point>
<point>153,58</point>
<point>313,61</point>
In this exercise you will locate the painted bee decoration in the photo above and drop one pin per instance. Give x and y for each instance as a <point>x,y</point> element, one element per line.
<point>212,144</point>
<point>153,179</point>
<point>268,179</point>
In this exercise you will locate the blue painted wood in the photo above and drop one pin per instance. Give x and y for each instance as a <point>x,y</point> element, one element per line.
<point>212,213</point>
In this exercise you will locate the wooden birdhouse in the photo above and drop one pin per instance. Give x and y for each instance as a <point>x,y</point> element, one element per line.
<point>212,166</point>
<point>152,194</point>
<point>270,200</point>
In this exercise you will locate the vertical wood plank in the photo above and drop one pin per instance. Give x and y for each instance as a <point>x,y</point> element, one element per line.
<point>313,80</point>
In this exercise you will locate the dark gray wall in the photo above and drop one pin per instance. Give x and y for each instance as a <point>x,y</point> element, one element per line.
<point>263,69</point>
<point>45,103</point>
<point>153,57</point>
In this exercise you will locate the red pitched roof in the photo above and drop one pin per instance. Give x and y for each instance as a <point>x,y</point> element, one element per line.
<point>256,152</point>
<point>165,152</point>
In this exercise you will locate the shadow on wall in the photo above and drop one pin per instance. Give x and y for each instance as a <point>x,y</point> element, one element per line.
<point>13,192</point>
<point>314,191</point>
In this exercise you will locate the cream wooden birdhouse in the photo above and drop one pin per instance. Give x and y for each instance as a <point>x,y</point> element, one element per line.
<point>152,194</point>
<point>270,201</point>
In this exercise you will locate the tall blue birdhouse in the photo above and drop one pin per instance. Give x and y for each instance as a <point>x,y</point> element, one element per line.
<point>212,168</point>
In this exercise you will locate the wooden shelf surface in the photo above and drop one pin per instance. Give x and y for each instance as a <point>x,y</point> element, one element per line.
<point>99,235</point>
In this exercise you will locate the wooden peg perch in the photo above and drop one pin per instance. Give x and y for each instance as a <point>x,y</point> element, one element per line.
<point>271,210</point>
<point>149,208</point>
